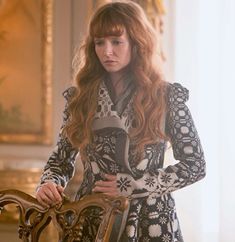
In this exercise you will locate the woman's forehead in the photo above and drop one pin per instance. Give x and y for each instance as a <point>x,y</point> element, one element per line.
<point>107,29</point>
<point>123,34</point>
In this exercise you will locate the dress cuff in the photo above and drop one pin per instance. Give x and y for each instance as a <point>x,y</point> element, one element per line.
<point>125,184</point>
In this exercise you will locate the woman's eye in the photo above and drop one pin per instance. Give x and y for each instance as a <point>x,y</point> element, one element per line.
<point>99,42</point>
<point>116,42</point>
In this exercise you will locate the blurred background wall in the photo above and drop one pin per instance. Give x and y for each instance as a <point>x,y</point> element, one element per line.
<point>204,34</point>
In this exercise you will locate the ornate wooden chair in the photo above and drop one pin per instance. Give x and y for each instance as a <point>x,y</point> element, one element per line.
<point>34,218</point>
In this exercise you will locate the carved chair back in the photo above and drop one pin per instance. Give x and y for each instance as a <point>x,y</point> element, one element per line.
<point>34,218</point>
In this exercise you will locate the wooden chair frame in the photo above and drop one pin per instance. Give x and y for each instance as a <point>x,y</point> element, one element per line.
<point>34,218</point>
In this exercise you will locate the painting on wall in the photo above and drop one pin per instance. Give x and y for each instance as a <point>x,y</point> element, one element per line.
<point>25,71</point>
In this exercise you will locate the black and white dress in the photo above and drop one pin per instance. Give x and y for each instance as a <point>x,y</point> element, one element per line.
<point>149,184</point>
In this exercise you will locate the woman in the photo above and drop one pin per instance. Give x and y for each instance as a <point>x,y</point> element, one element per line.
<point>120,116</point>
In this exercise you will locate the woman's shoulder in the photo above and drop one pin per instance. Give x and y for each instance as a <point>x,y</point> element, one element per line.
<point>176,93</point>
<point>69,93</point>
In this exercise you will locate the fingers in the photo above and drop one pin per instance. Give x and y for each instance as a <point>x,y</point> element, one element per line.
<point>106,190</point>
<point>60,189</point>
<point>43,199</point>
<point>108,187</point>
<point>105,183</point>
<point>49,194</point>
<point>110,177</point>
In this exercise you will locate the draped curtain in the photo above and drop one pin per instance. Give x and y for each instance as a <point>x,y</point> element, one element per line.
<point>204,37</point>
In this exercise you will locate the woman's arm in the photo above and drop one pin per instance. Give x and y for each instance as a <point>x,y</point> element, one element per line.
<point>186,148</point>
<point>60,165</point>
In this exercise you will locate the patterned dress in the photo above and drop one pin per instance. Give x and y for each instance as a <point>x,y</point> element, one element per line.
<point>152,215</point>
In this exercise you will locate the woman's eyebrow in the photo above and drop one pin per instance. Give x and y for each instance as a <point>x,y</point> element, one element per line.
<point>96,38</point>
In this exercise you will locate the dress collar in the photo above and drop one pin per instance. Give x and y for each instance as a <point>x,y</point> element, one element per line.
<point>121,101</point>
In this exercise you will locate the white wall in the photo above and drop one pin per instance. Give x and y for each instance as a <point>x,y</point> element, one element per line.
<point>202,59</point>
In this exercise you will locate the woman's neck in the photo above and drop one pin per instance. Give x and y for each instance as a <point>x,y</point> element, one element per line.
<point>116,77</point>
<point>118,84</point>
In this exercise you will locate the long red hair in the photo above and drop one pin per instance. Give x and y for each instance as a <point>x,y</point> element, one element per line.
<point>149,102</point>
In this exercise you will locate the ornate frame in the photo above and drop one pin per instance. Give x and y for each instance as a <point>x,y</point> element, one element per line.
<point>44,136</point>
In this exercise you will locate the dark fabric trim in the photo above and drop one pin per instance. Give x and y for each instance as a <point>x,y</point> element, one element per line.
<point>122,139</point>
<point>122,150</point>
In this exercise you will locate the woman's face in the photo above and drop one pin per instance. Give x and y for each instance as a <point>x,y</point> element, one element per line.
<point>113,52</point>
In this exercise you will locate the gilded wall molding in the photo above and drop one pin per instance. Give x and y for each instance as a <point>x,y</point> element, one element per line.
<point>155,11</point>
<point>21,132</point>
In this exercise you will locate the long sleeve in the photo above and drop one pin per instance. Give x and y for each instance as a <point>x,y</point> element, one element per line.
<point>186,149</point>
<point>60,165</point>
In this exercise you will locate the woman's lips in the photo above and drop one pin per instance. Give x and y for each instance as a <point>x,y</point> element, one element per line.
<point>110,62</point>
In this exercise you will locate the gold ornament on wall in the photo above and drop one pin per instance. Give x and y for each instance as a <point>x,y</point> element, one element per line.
<point>155,11</point>
<point>26,71</point>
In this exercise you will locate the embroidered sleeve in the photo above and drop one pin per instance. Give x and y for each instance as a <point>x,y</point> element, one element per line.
<point>60,165</point>
<point>186,148</point>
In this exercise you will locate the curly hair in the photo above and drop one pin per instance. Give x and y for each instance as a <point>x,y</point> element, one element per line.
<point>111,20</point>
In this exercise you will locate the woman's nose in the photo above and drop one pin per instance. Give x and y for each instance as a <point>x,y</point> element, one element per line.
<point>108,50</point>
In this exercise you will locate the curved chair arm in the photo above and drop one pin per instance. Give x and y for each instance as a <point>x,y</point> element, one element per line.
<point>34,218</point>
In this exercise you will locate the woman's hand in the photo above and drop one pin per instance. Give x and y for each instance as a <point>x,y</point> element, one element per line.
<point>108,187</point>
<point>49,194</point>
